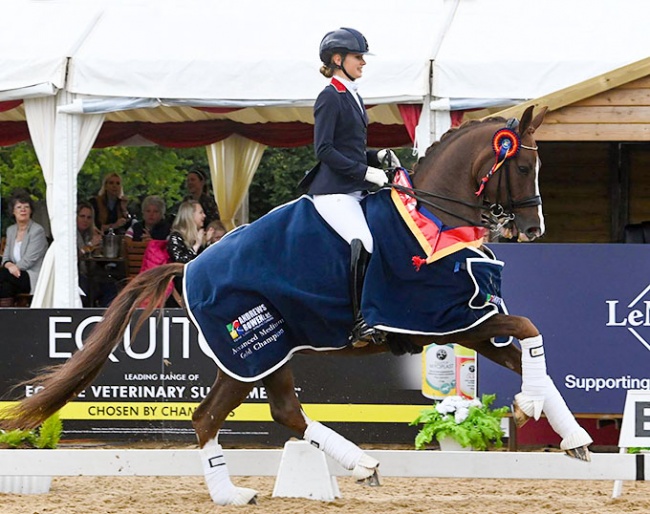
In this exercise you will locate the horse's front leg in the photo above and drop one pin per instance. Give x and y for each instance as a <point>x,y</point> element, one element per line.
<point>507,356</point>
<point>286,410</point>
<point>225,396</point>
<point>538,392</point>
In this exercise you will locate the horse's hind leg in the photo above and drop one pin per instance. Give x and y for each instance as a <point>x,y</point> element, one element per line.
<point>286,410</point>
<point>225,395</point>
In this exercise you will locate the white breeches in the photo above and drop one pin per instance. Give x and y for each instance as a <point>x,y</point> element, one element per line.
<point>344,214</point>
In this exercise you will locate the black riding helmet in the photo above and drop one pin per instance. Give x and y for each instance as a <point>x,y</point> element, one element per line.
<point>344,41</point>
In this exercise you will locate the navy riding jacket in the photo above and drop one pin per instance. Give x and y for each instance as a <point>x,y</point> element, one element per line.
<point>340,140</point>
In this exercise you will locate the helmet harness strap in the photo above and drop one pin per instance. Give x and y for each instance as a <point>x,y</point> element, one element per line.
<point>341,66</point>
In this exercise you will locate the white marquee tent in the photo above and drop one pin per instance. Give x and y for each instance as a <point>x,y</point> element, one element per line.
<point>78,67</point>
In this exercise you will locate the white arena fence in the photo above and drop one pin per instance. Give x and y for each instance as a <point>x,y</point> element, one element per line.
<point>394,463</point>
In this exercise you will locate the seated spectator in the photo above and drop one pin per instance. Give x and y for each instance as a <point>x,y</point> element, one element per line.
<point>110,206</point>
<point>24,251</point>
<point>153,224</point>
<point>197,189</point>
<point>186,239</point>
<point>214,232</point>
<point>89,238</point>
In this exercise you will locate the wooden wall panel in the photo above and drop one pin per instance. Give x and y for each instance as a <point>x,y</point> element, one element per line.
<point>604,132</point>
<point>639,156</point>
<point>574,183</point>
<point>620,114</point>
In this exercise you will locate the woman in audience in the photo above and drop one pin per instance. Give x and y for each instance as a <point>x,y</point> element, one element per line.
<point>110,206</point>
<point>153,224</point>
<point>24,251</point>
<point>187,239</point>
<point>89,237</point>
<point>197,189</point>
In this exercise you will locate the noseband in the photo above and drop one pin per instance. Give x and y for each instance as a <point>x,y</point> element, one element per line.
<point>506,144</point>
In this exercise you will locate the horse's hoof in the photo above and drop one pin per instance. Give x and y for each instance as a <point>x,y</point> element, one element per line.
<point>519,416</point>
<point>244,496</point>
<point>576,445</point>
<point>366,470</point>
<point>372,481</point>
<point>580,453</point>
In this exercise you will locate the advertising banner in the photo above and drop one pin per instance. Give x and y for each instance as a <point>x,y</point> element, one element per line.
<point>150,387</point>
<point>591,303</point>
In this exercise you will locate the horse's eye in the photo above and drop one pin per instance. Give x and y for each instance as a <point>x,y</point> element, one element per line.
<point>524,169</point>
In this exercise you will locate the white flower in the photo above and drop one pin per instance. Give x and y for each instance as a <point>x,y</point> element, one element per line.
<point>461,414</point>
<point>458,406</point>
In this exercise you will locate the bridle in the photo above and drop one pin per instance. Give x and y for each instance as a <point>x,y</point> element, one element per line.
<point>506,144</point>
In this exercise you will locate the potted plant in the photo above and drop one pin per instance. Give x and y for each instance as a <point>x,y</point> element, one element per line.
<point>471,423</point>
<point>47,436</point>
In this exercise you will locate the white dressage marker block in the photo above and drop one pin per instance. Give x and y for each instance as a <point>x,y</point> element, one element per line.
<point>635,431</point>
<point>304,473</point>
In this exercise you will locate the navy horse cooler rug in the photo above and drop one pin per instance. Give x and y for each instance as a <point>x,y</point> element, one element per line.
<point>280,285</point>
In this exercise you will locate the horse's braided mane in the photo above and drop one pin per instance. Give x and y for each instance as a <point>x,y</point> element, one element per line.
<point>452,134</point>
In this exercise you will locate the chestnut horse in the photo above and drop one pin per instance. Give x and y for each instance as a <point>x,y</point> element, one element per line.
<point>463,185</point>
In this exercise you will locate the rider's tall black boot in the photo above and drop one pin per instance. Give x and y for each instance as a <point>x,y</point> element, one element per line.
<point>362,333</point>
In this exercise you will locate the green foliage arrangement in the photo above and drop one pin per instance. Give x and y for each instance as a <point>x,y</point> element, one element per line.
<point>638,449</point>
<point>470,422</point>
<point>46,437</point>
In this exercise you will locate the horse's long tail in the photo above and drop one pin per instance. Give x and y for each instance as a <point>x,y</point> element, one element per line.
<point>64,382</point>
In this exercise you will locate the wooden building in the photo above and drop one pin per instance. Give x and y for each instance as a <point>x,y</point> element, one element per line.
<point>595,151</point>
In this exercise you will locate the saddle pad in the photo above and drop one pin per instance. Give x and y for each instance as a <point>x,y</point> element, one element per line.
<point>280,285</point>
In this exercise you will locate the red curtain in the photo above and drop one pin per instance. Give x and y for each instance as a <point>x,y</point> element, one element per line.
<point>218,110</point>
<point>411,115</point>
<point>12,132</point>
<point>10,104</point>
<point>456,118</point>
<point>202,133</point>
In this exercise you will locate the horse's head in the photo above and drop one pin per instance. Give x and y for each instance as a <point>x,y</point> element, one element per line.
<point>460,181</point>
<point>511,191</point>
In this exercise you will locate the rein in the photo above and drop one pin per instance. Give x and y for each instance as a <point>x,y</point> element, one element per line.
<point>420,195</point>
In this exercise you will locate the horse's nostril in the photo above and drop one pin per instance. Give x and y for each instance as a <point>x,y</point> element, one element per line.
<point>533,232</point>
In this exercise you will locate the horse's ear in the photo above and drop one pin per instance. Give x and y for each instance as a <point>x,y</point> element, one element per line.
<point>526,118</point>
<point>539,118</point>
<point>527,123</point>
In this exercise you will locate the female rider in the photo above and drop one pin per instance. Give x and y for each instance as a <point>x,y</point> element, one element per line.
<point>346,169</point>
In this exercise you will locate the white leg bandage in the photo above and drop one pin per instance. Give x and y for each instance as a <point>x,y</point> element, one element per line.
<point>562,421</point>
<point>534,378</point>
<point>217,478</point>
<point>345,452</point>
<point>335,445</point>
